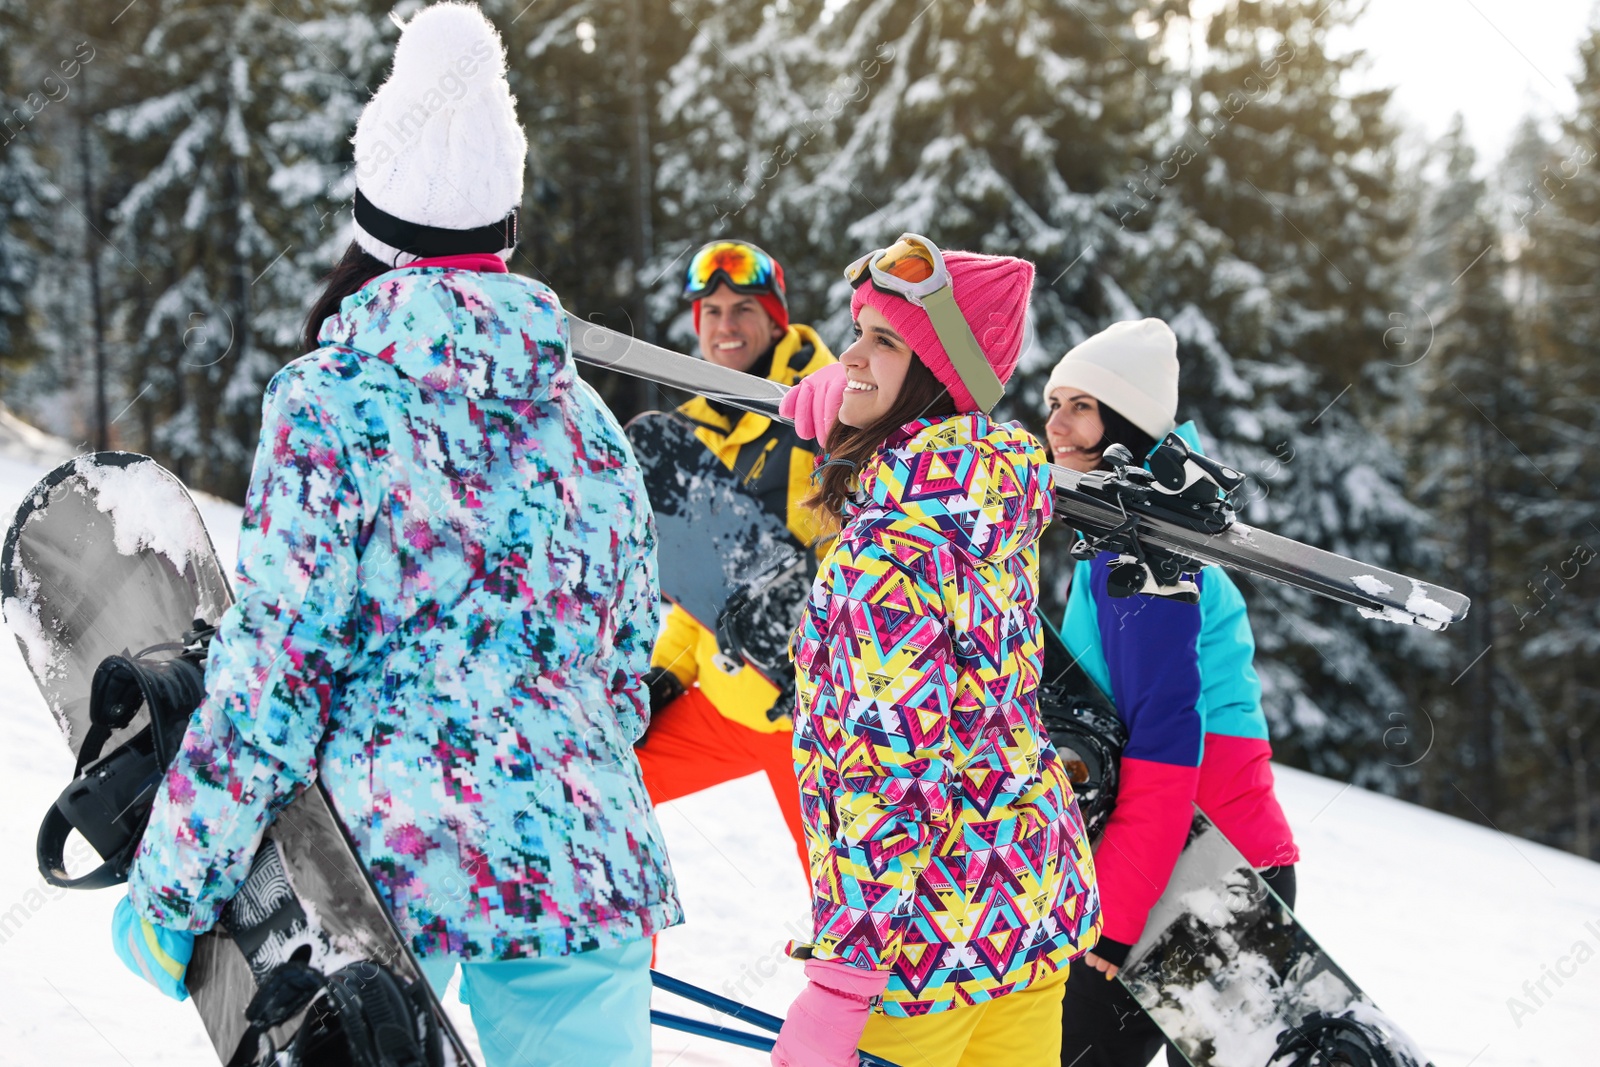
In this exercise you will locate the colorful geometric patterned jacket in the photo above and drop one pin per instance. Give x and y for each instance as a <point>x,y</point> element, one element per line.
<point>447,596</point>
<point>945,842</point>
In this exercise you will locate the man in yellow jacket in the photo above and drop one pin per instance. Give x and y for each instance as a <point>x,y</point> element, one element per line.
<point>713,720</point>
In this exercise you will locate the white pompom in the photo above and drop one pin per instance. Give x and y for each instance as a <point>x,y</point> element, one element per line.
<point>439,143</point>
<point>450,38</point>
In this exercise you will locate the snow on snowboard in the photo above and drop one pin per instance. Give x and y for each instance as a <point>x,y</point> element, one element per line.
<point>1223,967</point>
<point>108,556</point>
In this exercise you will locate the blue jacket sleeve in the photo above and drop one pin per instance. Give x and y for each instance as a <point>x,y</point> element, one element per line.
<point>1151,650</point>
<point>273,669</point>
<point>1150,645</point>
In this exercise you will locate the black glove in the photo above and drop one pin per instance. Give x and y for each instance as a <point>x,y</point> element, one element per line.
<point>664,688</point>
<point>1113,952</point>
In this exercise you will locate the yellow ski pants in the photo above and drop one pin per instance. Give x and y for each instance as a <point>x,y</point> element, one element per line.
<point>1018,1030</point>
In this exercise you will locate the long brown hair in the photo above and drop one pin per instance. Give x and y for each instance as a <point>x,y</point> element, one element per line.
<point>921,396</point>
<point>353,271</point>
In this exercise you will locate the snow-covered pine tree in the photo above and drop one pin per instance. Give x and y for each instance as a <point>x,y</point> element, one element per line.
<point>1558,593</point>
<point>232,125</point>
<point>22,197</point>
<point>1473,391</point>
<point>585,74</point>
<point>1010,127</point>
<point>1277,265</point>
<point>70,388</point>
<point>1005,127</point>
<point>747,118</point>
<point>341,54</point>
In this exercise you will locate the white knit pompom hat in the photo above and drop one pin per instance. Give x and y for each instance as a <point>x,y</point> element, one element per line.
<point>1130,367</point>
<point>439,144</point>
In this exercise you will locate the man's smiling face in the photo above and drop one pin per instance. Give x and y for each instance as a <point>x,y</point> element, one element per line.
<point>734,329</point>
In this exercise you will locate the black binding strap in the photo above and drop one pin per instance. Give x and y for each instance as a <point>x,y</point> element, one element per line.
<point>109,799</point>
<point>418,240</point>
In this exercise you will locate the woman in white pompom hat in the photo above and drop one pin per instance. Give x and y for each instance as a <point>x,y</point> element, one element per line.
<point>1182,679</point>
<point>447,598</point>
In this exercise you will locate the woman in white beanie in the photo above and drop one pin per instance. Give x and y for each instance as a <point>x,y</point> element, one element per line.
<point>447,598</point>
<point>1182,680</point>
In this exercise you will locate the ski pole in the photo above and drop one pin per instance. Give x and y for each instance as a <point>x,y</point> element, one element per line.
<point>706,998</point>
<point>743,1012</point>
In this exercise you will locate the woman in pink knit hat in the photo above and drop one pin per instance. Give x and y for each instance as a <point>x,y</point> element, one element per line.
<point>952,881</point>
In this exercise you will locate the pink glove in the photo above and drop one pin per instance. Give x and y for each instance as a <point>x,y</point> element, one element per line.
<point>826,1020</point>
<point>814,402</point>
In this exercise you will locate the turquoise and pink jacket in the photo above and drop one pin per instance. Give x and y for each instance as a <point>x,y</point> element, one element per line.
<point>447,596</point>
<point>1184,684</point>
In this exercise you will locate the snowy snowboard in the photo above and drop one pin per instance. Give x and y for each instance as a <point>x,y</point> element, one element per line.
<point>1224,968</point>
<point>722,555</point>
<point>1234,980</point>
<point>109,556</point>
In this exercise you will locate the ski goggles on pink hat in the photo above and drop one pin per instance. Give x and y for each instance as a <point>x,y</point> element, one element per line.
<point>913,269</point>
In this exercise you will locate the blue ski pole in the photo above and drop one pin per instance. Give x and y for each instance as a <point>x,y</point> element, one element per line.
<point>732,1008</point>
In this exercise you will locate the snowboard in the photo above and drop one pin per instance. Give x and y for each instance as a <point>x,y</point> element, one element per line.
<point>1233,979</point>
<point>108,555</point>
<point>1224,968</point>
<point>723,556</point>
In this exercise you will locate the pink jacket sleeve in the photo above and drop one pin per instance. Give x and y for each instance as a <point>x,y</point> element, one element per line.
<point>1135,857</point>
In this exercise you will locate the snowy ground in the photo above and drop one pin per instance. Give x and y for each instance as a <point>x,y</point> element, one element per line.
<point>1442,921</point>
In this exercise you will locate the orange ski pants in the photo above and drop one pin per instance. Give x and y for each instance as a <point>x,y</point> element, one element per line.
<point>691,747</point>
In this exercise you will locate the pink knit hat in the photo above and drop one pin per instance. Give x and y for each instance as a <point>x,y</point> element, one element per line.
<point>992,293</point>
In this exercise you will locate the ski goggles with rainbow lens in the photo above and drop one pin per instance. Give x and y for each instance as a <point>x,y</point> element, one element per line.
<point>739,265</point>
<point>913,268</point>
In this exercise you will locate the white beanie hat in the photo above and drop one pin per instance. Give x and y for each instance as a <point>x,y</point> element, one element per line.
<point>1130,367</point>
<point>439,147</point>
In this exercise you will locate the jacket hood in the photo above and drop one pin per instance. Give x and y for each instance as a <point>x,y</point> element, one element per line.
<point>475,333</point>
<point>984,485</point>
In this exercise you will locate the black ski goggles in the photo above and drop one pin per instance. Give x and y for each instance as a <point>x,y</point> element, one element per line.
<point>739,265</point>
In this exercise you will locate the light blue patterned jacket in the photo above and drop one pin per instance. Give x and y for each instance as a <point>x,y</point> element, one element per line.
<point>447,596</point>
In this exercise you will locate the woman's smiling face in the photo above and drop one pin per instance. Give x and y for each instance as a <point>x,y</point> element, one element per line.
<point>876,366</point>
<point>1075,429</point>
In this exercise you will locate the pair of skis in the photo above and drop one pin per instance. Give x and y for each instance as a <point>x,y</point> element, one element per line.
<point>1155,520</point>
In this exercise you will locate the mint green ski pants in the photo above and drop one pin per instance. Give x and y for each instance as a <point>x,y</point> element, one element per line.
<point>591,1009</point>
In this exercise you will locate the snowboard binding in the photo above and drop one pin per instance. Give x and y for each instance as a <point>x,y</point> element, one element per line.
<point>1090,745</point>
<point>1178,485</point>
<point>1324,1040</point>
<point>756,621</point>
<point>109,800</point>
<point>359,1016</point>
